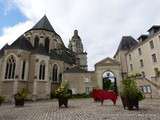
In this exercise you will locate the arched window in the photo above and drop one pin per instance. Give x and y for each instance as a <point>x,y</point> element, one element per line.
<point>23,70</point>
<point>47,44</point>
<point>10,68</point>
<point>42,71</point>
<point>36,42</point>
<point>55,73</point>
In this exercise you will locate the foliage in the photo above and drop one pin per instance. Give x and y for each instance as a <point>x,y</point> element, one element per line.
<point>22,94</point>
<point>157,72</point>
<point>107,84</point>
<point>83,95</point>
<point>130,90</point>
<point>53,95</point>
<point>2,99</point>
<point>63,91</point>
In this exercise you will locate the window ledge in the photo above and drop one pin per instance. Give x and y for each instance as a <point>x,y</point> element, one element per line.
<point>22,80</point>
<point>42,80</point>
<point>8,80</point>
<point>56,82</point>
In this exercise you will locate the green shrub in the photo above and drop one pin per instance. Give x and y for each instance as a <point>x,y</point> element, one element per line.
<point>83,95</point>
<point>129,89</point>
<point>2,99</point>
<point>63,91</point>
<point>22,94</point>
<point>53,95</point>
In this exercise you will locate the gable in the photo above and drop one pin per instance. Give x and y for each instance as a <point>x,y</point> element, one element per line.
<point>107,61</point>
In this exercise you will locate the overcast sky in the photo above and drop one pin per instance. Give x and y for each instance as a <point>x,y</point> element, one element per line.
<point>101,23</point>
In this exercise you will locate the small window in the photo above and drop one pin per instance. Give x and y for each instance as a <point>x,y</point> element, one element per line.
<point>144,89</point>
<point>42,71</point>
<point>151,44</point>
<point>130,57</point>
<point>23,70</point>
<point>87,90</point>
<point>139,51</point>
<point>154,58</point>
<point>131,67</point>
<point>148,89</point>
<point>141,63</point>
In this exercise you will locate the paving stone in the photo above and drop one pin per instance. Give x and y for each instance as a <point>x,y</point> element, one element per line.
<point>81,109</point>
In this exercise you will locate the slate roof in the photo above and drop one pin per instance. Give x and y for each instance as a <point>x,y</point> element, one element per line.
<point>143,37</point>
<point>63,54</point>
<point>157,27</point>
<point>75,69</point>
<point>43,24</point>
<point>21,43</point>
<point>127,42</point>
<point>3,48</point>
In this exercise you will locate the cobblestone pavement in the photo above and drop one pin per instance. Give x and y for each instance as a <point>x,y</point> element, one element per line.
<point>80,109</point>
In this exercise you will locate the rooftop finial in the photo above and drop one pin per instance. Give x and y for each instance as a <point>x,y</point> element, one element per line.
<point>75,32</point>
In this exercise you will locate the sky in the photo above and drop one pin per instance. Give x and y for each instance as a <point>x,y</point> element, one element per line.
<point>101,23</point>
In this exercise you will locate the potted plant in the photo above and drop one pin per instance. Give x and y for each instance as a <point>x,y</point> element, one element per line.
<point>63,94</point>
<point>130,94</point>
<point>20,97</point>
<point>1,100</point>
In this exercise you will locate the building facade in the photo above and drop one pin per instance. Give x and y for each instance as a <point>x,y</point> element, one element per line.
<point>143,59</point>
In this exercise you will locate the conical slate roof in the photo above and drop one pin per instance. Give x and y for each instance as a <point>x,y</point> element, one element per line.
<point>44,24</point>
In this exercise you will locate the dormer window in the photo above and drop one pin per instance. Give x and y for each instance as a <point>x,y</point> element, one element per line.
<point>154,29</point>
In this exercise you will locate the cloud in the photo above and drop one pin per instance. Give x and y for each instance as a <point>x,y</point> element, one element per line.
<point>101,23</point>
<point>10,34</point>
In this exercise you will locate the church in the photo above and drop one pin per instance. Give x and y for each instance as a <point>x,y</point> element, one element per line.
<point>37,61</point>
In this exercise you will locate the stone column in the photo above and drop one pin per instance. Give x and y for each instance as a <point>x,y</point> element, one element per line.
<point>48,81</point>
<point>17,76</point>
<point>34,94</point>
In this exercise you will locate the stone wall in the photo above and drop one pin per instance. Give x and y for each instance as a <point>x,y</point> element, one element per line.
<point>78,82</point>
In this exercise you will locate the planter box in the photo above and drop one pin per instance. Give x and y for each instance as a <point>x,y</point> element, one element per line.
<point>130,103</point>
<point>0,103</point>
<point>63,101</point>
<point>19,102</point>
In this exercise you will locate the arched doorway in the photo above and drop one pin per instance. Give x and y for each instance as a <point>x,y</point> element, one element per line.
<point>109,81</point>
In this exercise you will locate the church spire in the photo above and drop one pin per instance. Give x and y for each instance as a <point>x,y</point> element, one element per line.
<point>44,23</point>
<point>75,44</point>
